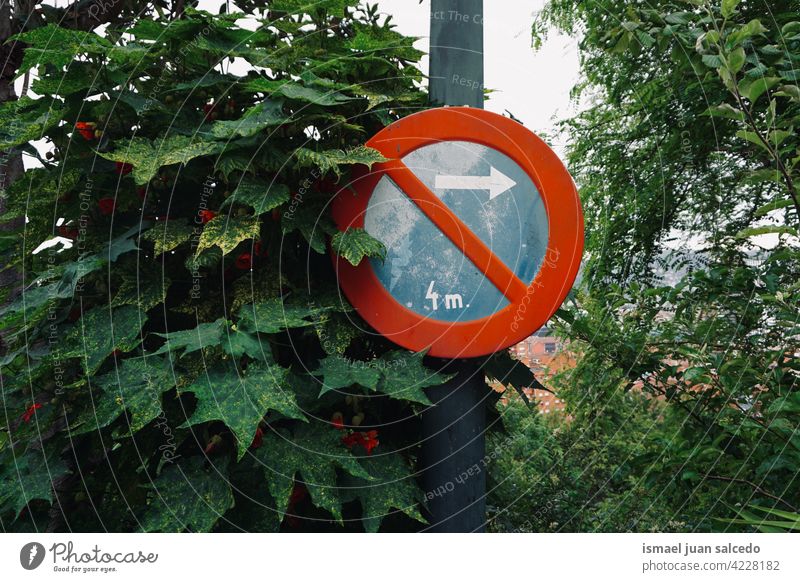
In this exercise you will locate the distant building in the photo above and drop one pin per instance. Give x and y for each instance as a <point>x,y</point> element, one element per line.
<point>544,354</point>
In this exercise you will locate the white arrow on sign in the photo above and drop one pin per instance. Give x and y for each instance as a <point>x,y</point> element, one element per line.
<point>496,183</point>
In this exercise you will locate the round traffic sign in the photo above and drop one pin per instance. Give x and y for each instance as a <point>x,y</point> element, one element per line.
<point>483,230</point>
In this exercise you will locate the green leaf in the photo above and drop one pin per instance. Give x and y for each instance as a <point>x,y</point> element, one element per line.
<point>258,195</point>
<point>187,496</point>
<point>356,243</point>
<point>736,60</point>
<point>791,91</point>
<point>393,489</point>
<point>226,232</point>
<point>101,331</point>
<point>233,341</point>
<point>404,376</point>
<point>726,111</point>
<point>338,372</point>
<point>774,205</point>
<point>752,89</point>
<point>331,160</point>
<point>242,401</point>
<point>729,7</point>
<point>135,386</point>
<point>312,222</point>
<point>56,46</point>
<point>759,230</point>
<point>297,92</point>
<point>27,477</point>
<point>170,235</point>
<point>265,114</point>
<point>274,315</point>
<point>311,454</point>
<point>147,156</point>
<point>502,368</point>
<point>26,120</point>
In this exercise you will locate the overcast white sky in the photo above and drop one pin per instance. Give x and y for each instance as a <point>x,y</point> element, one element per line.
<point>534,86</point>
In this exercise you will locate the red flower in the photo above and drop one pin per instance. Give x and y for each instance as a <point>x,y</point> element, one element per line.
<point>31,410</point>
<point>206,215</point>
<point>106,206</point>
<point>259,250</point>
<point>123,168</point>
<point>86,129</point>
<point>368,440</point>
<point>244,261</point>
<point>276,215</point>
<point>258,439</point>
<point>141,192</point>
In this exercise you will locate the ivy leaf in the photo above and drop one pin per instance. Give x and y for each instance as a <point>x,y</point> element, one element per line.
<point>356,243</point>
<point>313,223</point>
<point>226,232</point>
<point>314,453</point>
<point>242,401</point>
<point>404,376</point>
<point>187,496</point>
<point>265,114</point>
<point>147,156</point>
<point>331,160</point>
<point>57,46</point>
<point>297,92</point>
<point>393,489</point>
<point>25,120</point>
<point>275,315</point>
<point>257,195</point>
<point>102,330</point>
<point>191,340</point>
<point>338,372</point>
<point>170,235</point>
<point>336,332</point>
<point>502,368</point>
<point>144,289</point>
<point>233,341</point>
<point>27,477</point>
<point>136,386</point>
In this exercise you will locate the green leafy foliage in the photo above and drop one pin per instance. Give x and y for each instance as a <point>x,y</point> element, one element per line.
<point>170,343</point>
<point>684,327</point>
<point>356,243</point>
<point>242,401</point>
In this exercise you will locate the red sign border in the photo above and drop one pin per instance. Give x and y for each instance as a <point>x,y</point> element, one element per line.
<point>530,306</point>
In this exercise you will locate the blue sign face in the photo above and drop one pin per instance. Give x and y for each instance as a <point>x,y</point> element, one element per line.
<point>493,197</point>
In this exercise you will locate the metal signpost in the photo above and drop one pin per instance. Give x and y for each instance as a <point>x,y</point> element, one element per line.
<point>484,236</point>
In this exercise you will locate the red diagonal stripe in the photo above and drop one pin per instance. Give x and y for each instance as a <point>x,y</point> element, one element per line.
<point>459,233</point>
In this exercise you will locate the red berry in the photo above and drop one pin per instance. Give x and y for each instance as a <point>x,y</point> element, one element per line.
<point>258,439</point>
<point>244,261</point>
<point>30,411</point>
<point>86,129</point>
<point>123,168</point>
<point>207,216</point>
<point>106,206</point>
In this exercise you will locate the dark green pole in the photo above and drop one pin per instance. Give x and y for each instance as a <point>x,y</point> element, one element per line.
<point>454,445</point>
